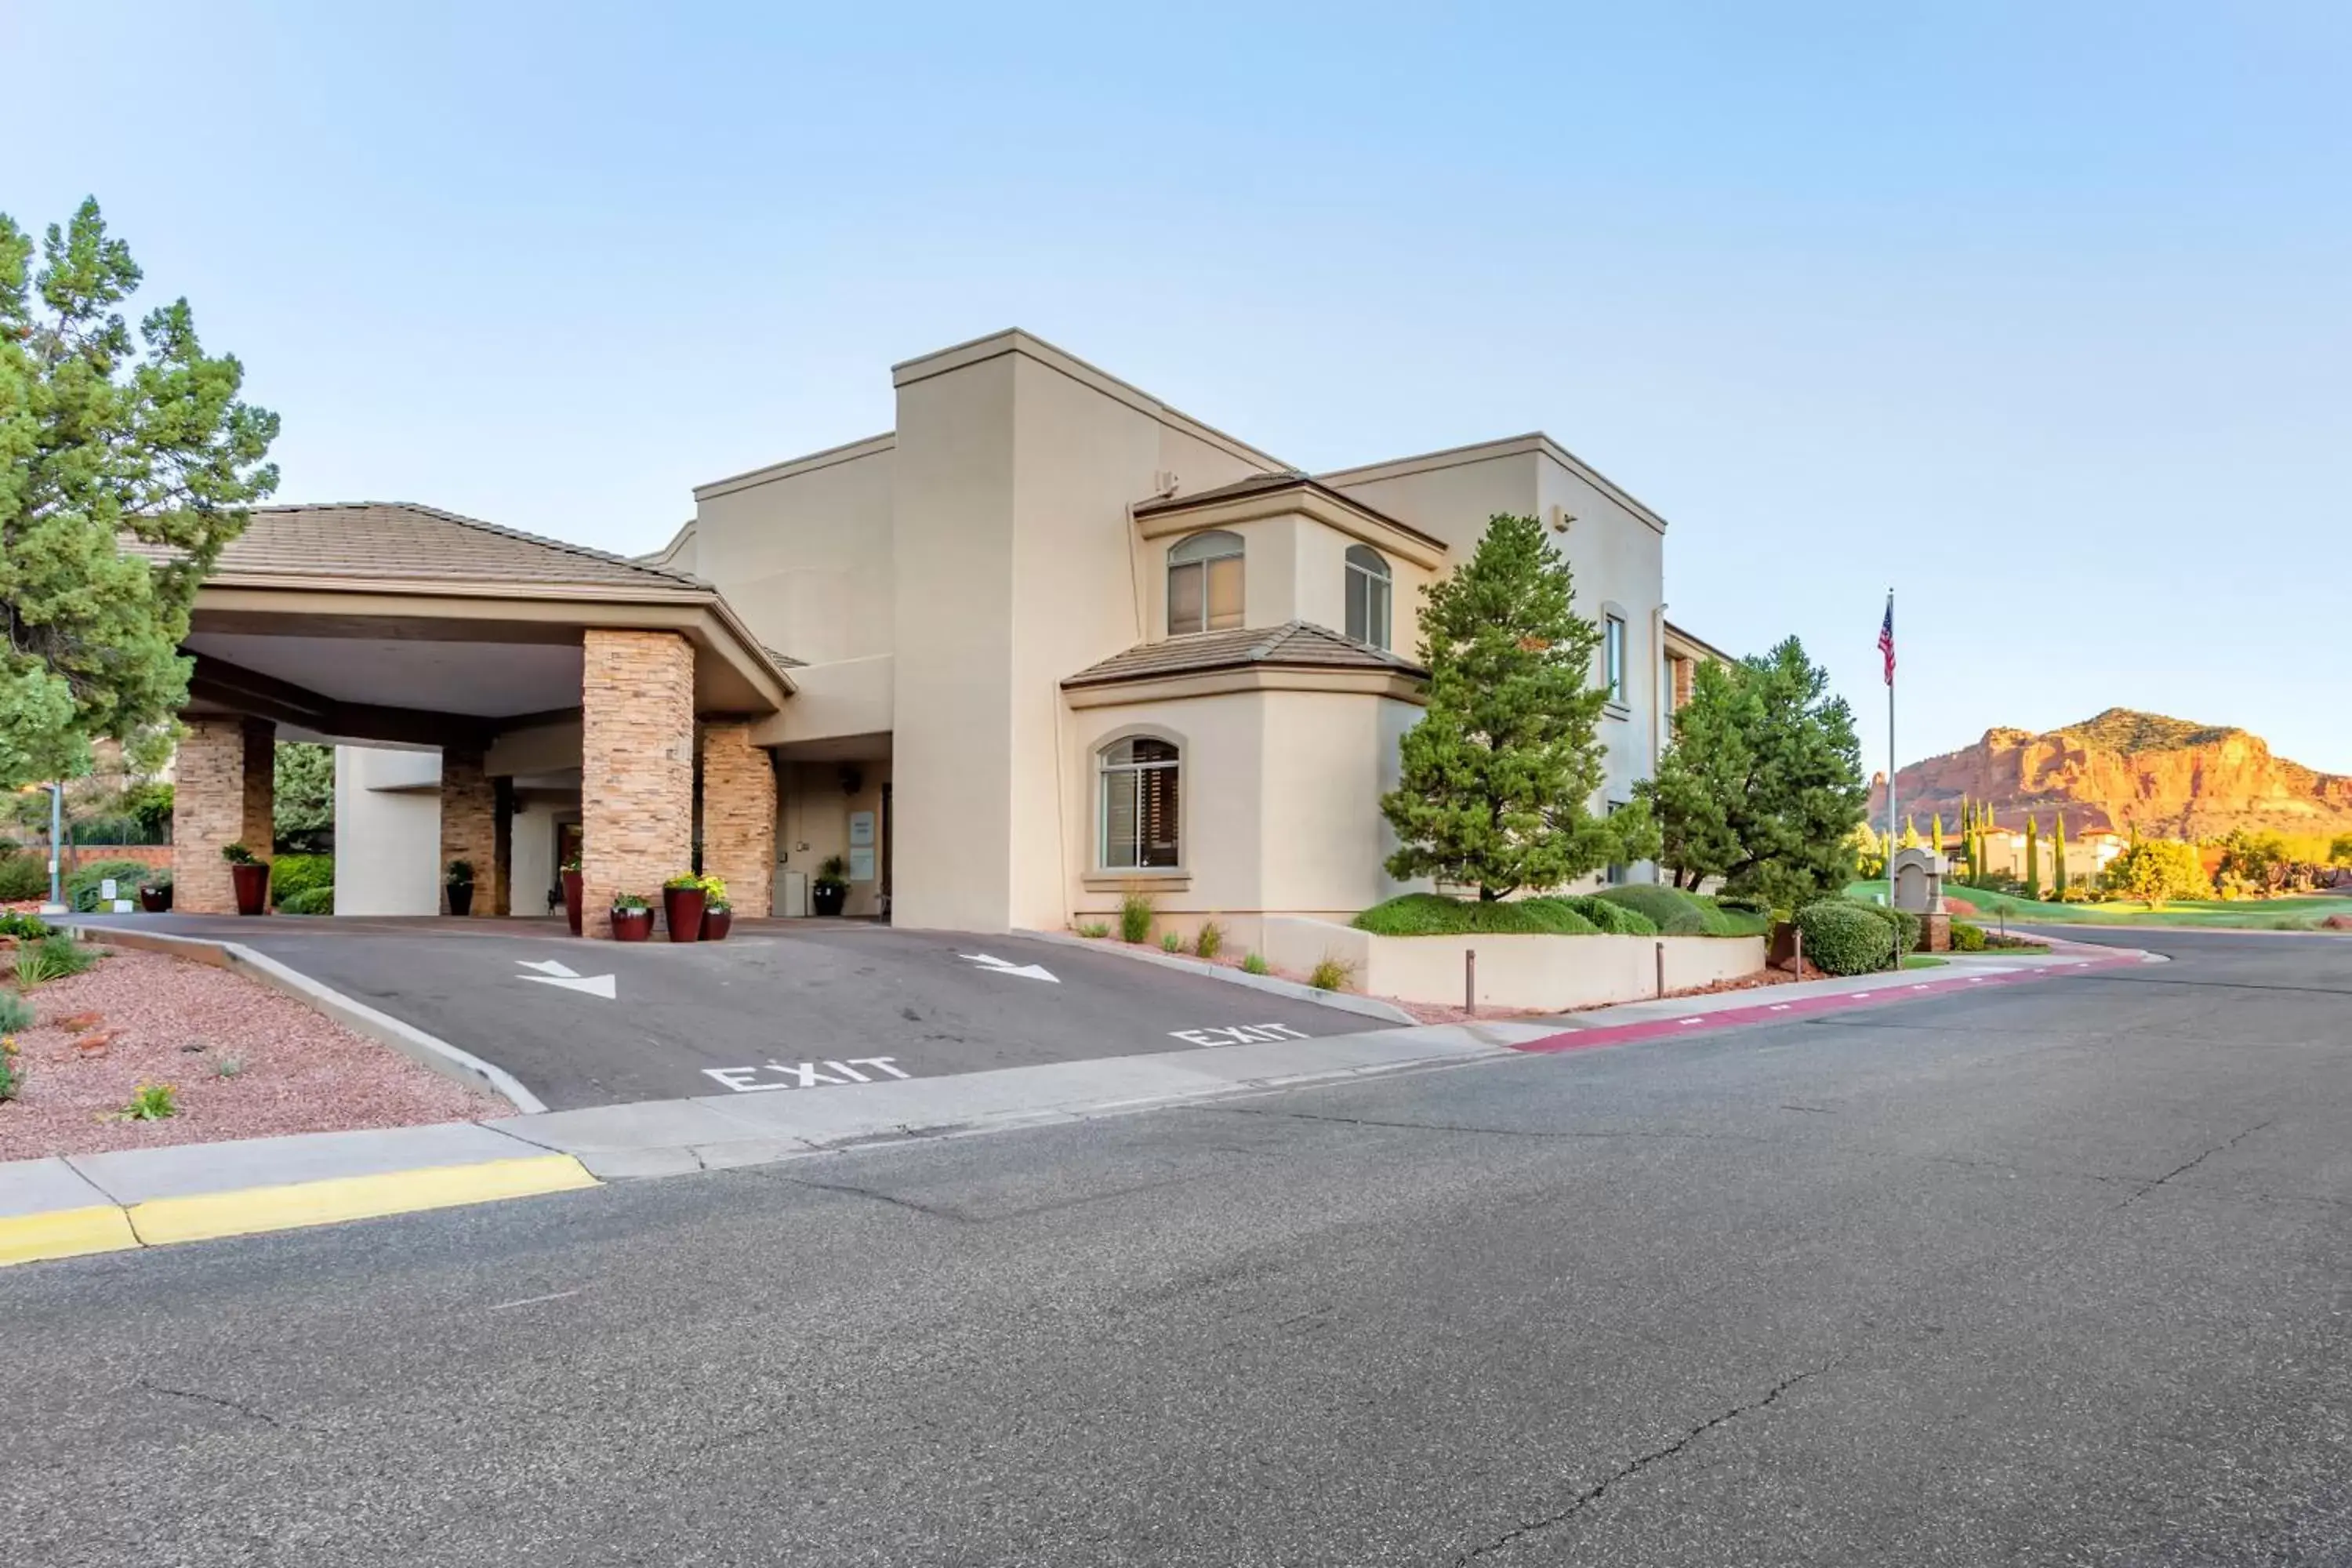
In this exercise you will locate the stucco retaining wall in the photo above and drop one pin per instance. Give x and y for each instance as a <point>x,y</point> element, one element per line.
<point>1546,972</point>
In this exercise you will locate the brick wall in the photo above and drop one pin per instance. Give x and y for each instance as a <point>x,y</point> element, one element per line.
<point>738,816</point>
<point>224,791</point>
<point>637,760</point>
<point>469,828</point>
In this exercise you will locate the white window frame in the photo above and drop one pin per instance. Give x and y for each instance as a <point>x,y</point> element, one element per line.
<point>1373,585</point>
<point>1110,775</point>
<point>1197,552</point>
<point>1612,656</point>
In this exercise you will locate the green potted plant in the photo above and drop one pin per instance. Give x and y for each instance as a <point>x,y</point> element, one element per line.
<point>461,887</point>
<point>830,891</point>
<point>633,918</point>
<point>718,913</point>
<point>571,893</point>
<point>250,875</point>
<point>682,907</point>
<point>156,890</point>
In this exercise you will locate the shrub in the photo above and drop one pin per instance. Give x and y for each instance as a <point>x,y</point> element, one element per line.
<point>1845,938</point>
<point>1433,914</point>
<point>16,1013</point>
<point>1903,923</point>
<point>1677,913</point>
<point>1614,918</point>
<point>81,888</point>
<point>1093,931</point>
<point>292,874</point>
<point>238,855</point>
<point>227,1066</point>
<point>27,928</point>
<point>24,877</point>
<point>117,829</point>
<point>1210,940</point>
<point>1255,965</point>
<point>12,1068</point>
<point>152,1102</point>
<point>52,958</point>
<point>1331,972</point>
<point>1135,918</point>
<point>1169,941</point>
<point>1967,937</point>
<point>308,901</point>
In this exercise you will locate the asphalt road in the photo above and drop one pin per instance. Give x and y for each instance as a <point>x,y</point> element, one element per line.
<point>764,1007</point>
<point>2060,1273</point>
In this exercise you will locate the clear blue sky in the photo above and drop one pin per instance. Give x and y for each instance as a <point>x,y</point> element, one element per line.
<point>2042,313</point>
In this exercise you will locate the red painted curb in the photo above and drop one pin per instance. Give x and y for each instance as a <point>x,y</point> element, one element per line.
<point>1782,1012</point>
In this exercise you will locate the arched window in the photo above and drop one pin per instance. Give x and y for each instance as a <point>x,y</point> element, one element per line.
<point>1138,786</point>
<point>1205,583</point>
<point>1368,596</point>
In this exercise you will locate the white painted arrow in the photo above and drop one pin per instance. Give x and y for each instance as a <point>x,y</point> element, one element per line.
<point>1005,967</point>
<point>552,972</point>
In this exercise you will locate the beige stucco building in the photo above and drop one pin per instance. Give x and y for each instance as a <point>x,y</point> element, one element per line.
<point>1046,641</point>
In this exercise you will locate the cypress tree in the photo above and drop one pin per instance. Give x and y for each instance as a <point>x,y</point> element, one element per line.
<point>1935,841</point>
<point>2033,858</point>
<point>2058,855</point>
<point>1910,833</point>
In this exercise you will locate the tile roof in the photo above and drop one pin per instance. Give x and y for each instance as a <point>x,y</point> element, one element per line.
<point>1294,645</point>
<point>400,541</point>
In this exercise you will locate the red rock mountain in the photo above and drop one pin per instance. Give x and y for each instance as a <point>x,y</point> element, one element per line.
<point>2125,770</point>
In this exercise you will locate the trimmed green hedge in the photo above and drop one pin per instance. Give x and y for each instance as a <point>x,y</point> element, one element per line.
<point>1677,913</point>
<point>1433,914</point>
<point>1613,917</point>
<point>308,901</point>
<point>22,876</point>
<point>292,874</point>
<point>1846,938</point>
<point>1902,922</point>
<point>1967,937</point>
<point>81,885</point>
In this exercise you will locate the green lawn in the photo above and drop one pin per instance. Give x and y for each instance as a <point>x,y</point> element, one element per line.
<point>2296,914</point>
<point>1925,960</point>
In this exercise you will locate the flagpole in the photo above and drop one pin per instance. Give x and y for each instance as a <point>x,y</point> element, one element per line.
<point>1891,840</point>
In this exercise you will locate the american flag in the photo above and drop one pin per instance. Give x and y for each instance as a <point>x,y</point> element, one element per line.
<point>1887,638</point>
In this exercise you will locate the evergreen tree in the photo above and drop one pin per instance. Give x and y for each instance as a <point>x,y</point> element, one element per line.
<point>105,439</point>
<point>1910,833</point>
<point>2033,858</point>
<point>1499,775</point>
<point>1936,834</point>
<point>2058,859</point>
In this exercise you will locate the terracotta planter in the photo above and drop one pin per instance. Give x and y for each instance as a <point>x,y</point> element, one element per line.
<point>461,897</point>
<point>571,899</point>
<point>827,897</point>
<point>252,883</point>
<point>716,923</point>
<point>154,900</point>
<point>635,925</point>
<point>682,913</point>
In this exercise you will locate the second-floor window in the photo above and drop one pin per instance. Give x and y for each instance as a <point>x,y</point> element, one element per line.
<point>1368,597</point>
<point>1613,655</point>
<point>1205,583</point>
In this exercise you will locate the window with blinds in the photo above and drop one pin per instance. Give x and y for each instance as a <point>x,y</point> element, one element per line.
<point>1138,779</point>
<point>1204,584</point>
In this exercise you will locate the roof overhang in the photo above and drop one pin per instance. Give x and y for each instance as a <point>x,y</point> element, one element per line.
<point>1681,641</point>
<point>1389,683</point>
<point>1306,499</point>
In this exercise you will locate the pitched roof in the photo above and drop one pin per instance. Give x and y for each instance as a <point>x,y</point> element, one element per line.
<point>1294,645</point>
<point>401,541</point>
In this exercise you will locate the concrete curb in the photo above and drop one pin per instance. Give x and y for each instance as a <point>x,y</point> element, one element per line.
<point>426,1050</point>
<point>115,1202</point>
<point>1346,1002</point>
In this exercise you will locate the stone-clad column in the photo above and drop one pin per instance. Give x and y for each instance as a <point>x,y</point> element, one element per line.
<point>636,768</point>
<point>738,816</point>
<point>469,826</point>
<point>223,792</point>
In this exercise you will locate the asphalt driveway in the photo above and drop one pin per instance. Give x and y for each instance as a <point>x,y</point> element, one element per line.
<point>782,1007</point>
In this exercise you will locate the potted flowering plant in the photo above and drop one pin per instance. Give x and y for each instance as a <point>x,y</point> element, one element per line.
<point>830,891</point>
<point>571,893</point>
<point>717,914</point>
<point>156,890</point>
<point>461,887</point>
<point>633,918</point>
<point>682,902</point>
<point>251,876</point>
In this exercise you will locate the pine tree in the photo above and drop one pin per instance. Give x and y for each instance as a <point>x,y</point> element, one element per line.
<point>2058,859</point>
<point>2033,858</point>
<point>1499,775</point>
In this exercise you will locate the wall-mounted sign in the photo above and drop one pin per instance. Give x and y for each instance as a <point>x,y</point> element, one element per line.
<point>861,829</point>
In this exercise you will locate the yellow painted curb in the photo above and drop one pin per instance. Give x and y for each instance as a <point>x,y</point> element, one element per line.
<point>250,1210</point>
<point>64,1233</point>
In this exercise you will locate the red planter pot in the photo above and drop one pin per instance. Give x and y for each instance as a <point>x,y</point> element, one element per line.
<point>571,899</point>
<point>715,923</point>
<point>252,883</point>
<point>682,913</point>
<point>635,926</point>
<point>154,900</point>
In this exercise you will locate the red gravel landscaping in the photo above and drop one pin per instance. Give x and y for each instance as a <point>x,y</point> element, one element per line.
<point>163,1020</point>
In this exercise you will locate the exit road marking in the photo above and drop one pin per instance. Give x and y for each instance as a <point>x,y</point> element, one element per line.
<point>1239,1035</point>
<point>1005,966</point>
<point>552,972</point>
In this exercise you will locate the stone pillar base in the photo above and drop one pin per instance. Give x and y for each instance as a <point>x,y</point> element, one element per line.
<point>1936,932</point>
<point>224,792</point>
